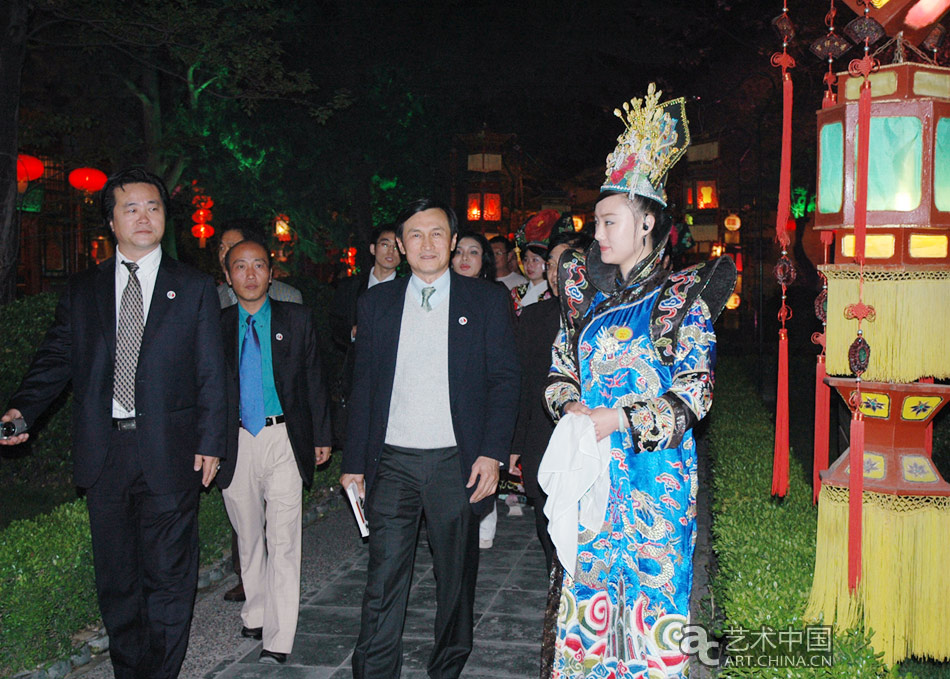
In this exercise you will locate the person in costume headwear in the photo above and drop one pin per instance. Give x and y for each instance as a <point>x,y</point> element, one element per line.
<point>635,353</point>
<point>532,242</point>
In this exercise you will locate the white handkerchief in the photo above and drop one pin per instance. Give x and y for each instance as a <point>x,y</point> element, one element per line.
<point>575,474</point>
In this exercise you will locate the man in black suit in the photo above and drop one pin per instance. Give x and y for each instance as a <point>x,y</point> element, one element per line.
<point>433,405</point>
<point>348,291</point>
<point>139,338</point>
<point>278,428</point>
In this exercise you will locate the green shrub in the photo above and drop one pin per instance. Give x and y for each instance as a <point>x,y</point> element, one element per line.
<point>765,547</point>
<point>24,325</point>
<point>47,591</point>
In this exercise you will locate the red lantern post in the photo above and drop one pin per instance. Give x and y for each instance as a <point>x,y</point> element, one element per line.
<point>202,230</point>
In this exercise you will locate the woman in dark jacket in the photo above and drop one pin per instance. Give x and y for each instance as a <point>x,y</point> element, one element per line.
<point>535,331</point>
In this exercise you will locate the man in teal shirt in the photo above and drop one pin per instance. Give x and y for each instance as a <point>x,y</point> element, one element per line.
<point>278,430</point>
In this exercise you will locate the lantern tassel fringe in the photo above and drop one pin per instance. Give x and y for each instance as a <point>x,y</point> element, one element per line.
<point>780,455</point>
<point>856,481</point>
<point>904,346</point>
<point>905,583</point>
<point>822,407</point>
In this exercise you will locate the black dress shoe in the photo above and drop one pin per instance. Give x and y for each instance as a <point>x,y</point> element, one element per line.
<point>236,593</point>
<point>252,632</point>
<point>272,658</point>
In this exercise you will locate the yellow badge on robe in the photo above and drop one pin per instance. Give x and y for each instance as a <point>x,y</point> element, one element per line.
<point>623,333</point>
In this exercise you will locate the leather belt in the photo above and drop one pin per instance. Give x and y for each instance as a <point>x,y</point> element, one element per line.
<point>268,421</point>
<point>123,424</point>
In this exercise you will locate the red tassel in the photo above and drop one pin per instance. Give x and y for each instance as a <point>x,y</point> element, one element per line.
<point>822,406</point>
<point>929,431</point>
<point>785,176</point>
<point>855,496</point>
<point>780,458</point>
<point>861,195</point>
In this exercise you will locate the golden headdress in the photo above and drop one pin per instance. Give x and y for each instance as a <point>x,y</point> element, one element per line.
<point>656,136</point>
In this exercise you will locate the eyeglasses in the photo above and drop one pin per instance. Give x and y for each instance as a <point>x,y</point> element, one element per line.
<point>386,245</point>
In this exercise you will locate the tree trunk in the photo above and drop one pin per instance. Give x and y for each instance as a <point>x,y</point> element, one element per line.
<point>13,14</point>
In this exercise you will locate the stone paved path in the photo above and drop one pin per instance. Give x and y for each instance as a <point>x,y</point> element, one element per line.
<point>509,606</point>
<point>508,611</point>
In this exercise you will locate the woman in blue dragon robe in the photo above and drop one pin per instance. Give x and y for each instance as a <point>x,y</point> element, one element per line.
<point>635,353</point>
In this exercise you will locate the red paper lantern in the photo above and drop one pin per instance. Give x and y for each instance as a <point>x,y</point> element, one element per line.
<point>87,179</point>
<point>202,230</point>
<point>282,228</point>
<point>201,215</point>
<point>28,168</point>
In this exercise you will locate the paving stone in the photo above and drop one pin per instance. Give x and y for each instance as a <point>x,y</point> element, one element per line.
<point>499,660</point>
<point>349,595</point>
<point>420,624</point>
<point>530,579</point>
<point>505,627</point>
<point>329,620</point>
<point>258,671</point>
<point>322,650</point>
<point>519,602</point>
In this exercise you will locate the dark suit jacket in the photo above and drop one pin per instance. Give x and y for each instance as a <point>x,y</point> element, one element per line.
<point>343,308</point>
<point>535,332</point>
<point>483,374</point>
<point>180,379</point>
<point>297,376</point>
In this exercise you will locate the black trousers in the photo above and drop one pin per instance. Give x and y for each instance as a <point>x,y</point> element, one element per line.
<point>411,483</point>
<point>145,552</point>
<point>541,525</point>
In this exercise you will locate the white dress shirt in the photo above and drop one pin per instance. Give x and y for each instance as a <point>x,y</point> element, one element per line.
<point>147,273</point>
<point>441,285</point>
<point>375,281</point>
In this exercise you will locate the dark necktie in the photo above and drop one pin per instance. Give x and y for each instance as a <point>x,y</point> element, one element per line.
<point>426,294</point>
<point>252,381</point>
<point>128,340</point>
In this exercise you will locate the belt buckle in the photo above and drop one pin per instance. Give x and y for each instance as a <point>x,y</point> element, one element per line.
<point>125,424</point>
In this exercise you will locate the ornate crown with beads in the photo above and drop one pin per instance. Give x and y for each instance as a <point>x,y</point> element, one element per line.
<point>656,137</point>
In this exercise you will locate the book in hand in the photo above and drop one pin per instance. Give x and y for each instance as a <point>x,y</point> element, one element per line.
<point>356,504</point>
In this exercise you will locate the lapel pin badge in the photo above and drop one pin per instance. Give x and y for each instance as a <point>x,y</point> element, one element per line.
<point>463,320</point>
<point>170,294</point>
<point>279,337</point>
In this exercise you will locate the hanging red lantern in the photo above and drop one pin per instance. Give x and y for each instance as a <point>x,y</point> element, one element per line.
<point>87,179</point>
<point>202,230</point>
<point>201,215</point>
<point>28,168</point>
<point>282,228</point>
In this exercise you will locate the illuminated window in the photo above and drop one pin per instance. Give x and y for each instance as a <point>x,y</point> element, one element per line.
<point>875,247</point>
<point>928,245</point>
<point>831,172</point>
<point>707,195</point>
<point>942,165</point>
<point>474,211</point>
<point>896,146</point>
<point>492,207</point>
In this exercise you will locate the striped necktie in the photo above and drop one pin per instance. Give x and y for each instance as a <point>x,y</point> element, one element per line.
<point>128,340</point>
